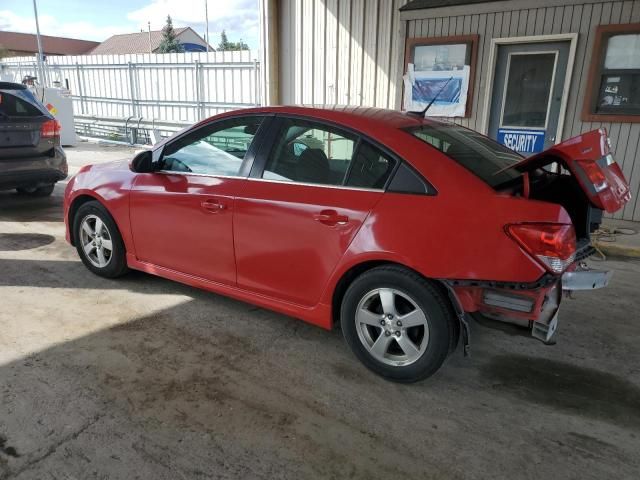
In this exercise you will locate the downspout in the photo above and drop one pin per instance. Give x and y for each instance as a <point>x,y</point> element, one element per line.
<point>270,48</point>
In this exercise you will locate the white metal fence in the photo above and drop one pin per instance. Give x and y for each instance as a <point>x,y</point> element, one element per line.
<point>116,95</point>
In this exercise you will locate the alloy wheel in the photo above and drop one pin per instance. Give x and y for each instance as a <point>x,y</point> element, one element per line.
<point>392,327</point>
<point>96,241</point>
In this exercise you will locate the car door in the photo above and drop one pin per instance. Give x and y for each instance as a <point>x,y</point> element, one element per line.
<point>305,200</point>
<point>182,214</point>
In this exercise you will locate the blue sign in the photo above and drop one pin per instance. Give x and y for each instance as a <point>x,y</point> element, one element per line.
<point>521,140</point>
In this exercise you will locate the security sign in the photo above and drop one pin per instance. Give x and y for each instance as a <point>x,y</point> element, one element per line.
<point>522,141</point>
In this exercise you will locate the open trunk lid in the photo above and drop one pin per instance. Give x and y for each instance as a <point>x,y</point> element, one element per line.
<point>588,157</point>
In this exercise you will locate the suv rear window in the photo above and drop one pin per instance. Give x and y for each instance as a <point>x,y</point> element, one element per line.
<point>13,106</point>
<point>477,153</point>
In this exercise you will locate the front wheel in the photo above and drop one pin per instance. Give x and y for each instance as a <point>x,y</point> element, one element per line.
<point>98,241</point>
<point>397,323</point>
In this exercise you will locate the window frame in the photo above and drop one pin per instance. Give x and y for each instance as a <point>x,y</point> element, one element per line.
<point>470,40</point>
<point>262,156</point>
<point>596,69</point>
<point>246,162</point>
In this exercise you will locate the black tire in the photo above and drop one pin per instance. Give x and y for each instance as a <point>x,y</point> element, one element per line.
<point>117,265</point>
<point>43,191</point>
<point>442,333</point>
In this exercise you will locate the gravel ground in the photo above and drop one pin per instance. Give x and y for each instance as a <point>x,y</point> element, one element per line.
<point>146,378</point>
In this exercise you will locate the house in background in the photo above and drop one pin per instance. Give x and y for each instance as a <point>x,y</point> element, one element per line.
<point>548,70</point>
<point>149,42</point>
<point>26,44</point>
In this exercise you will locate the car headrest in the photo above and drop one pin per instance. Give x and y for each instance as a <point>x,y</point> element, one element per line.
<point>313,166</point>
<point>251,129</point>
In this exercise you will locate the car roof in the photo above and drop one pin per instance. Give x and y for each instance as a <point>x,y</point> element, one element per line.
<point>351,115</point>
<point>366,120</point>
<point>12,86</point>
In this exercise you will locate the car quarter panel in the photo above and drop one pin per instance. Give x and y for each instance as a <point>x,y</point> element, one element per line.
<point>459,233</point>
<point>110,184</point>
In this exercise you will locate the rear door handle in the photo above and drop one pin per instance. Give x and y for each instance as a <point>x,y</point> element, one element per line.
<point>331,218</point>
<point>212,206</point>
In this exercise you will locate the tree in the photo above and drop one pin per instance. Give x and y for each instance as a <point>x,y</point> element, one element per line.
<point>169,42</point>
<point>225,44</point>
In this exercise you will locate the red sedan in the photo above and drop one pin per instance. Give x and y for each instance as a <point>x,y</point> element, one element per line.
<point>395,227</point>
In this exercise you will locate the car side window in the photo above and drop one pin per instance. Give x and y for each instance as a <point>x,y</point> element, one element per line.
<point>307,152</point>
<point>371,168</point>
<point>217,149</point>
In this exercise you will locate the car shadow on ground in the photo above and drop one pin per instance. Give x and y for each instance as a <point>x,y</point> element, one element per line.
<point>15,242</point>
<point>214,385</point>
<point>217,387</point>
<point>23,208</point>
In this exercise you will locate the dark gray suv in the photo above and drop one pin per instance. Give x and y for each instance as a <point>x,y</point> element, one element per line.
<point>31,157</point>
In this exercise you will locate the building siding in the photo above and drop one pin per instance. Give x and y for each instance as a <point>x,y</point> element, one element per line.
<point>352,52</point>
<point>519,21</point>
<point>340,51</point>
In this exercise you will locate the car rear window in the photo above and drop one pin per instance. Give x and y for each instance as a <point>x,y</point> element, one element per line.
<point>477,153</point>
<point>13,106</point>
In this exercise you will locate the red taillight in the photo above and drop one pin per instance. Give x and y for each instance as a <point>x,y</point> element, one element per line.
<point>50,129</point>
<point>594,173</point>
<point>552,244</point>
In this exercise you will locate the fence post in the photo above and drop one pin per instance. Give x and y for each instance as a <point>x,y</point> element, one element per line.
<point>199,90</point>
<point>256,80</point>
<point>80,76</point>
<point>132,88</point>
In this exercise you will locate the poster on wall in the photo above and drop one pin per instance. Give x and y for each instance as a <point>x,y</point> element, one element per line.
<point>448,87</point>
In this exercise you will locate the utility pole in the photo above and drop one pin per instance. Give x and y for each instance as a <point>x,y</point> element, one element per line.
<point>149,30</point>
<point>40,55</point>
<point>206,19</point>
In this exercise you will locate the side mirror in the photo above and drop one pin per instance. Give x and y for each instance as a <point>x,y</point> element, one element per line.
<point>142,162</point>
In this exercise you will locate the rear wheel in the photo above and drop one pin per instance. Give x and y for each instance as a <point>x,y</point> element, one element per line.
<point>43,191</point>
<point>98,241</point>
<point>397,323</point>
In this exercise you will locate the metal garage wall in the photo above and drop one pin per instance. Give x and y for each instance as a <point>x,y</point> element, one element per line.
<point>340,51</point>
<point>513,19</point>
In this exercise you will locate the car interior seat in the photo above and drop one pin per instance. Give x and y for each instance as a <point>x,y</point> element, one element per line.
<point>313,167</point>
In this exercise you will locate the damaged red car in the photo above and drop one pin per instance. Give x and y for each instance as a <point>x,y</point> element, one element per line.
<point>394,227</point>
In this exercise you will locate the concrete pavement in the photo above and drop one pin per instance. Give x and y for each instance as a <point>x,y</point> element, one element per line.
<point>145,378</point>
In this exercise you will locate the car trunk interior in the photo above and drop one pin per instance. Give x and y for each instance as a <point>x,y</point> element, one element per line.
<point>563,188</point>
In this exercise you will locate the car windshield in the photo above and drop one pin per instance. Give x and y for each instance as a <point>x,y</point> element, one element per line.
<point>477,153</point>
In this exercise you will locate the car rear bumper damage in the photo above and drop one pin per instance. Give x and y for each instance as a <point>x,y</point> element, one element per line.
<point>529,309</point>
<point>586,279</point>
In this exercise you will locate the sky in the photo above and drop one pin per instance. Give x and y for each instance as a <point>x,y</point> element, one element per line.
<point>99,19</point>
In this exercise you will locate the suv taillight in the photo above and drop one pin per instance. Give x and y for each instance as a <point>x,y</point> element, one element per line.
<point>552,244</point>
<point>50,129</point>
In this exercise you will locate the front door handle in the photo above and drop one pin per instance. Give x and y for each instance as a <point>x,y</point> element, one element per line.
<point>331,218</point>
<point>213,206</point>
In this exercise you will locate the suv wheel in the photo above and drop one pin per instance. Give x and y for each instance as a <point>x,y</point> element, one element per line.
<point>43,191</point>
<point>98,241</point>
<point>397,323</point>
